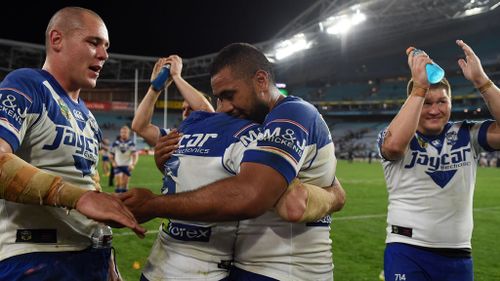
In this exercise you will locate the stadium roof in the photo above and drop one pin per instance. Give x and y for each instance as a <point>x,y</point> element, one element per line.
<point>155,28</point>
<point>202,27</point>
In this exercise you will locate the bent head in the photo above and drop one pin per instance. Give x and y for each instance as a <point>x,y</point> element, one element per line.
<point>76,41</point>
<point>242,81</point>
<point>436,111</point>
<point>187,109</point>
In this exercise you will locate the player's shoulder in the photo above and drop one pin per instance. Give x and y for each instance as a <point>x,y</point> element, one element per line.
<point>25,81</point>
<point>201,121</point>
<point>24,76</point>
<point>294,108</point>
<point>470,123</point>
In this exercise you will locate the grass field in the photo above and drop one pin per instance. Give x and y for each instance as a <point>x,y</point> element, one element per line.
<point>358,231</point>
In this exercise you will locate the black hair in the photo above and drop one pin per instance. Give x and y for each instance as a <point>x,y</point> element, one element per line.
<point>243,59</point>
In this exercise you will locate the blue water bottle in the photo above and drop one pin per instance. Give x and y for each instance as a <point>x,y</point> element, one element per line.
<point>434,72</point>
<point>159,82</point>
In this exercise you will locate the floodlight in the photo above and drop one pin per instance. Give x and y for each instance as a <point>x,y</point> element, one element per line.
<point>342,23</point>
<point>290,46</point>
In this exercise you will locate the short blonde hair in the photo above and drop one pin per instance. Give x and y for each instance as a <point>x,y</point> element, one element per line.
<point>441,84</point>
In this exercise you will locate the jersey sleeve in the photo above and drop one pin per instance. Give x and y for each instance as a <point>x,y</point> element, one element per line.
<point>284,138</point>
<point>18,107</point>
<point>380,142</point>
<point>478,135</point>
<point>240,141</point>
<point>164,131</point>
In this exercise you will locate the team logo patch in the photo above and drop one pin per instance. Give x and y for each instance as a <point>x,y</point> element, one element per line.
<point>25,235</point>
<point>451,137</point>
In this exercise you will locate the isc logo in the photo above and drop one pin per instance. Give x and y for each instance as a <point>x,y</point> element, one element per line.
<point>195,140</point>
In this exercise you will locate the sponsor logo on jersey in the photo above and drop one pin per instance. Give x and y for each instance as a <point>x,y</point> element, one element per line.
<point>186,232</point>
<point>441,168</point>
<point>86,152</point>
<point>250,137</point>
<point>123,147</point>
<point>9,109</point>
<point>284,138</point>
<point>193,143</point>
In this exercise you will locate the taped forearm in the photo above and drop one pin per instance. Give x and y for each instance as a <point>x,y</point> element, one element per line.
<point>320,202</point>
<point>21,182</point>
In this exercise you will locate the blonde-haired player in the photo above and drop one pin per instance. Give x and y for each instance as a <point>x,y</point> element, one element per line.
<point>124,158</point>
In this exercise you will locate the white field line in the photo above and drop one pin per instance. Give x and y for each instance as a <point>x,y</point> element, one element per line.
<point>346,218</point>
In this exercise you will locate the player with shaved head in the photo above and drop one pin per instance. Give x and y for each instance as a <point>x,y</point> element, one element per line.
<point>49,143</point>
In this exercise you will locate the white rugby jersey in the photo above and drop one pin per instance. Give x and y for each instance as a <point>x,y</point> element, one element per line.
<point>431,188</point>
<point>210,150</point>
<point>57,135</point>
<point>295,142</point>
<point>122,151</point>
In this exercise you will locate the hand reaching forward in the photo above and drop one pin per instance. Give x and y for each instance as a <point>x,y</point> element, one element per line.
<point>137,201</point>
<point>106,208</point>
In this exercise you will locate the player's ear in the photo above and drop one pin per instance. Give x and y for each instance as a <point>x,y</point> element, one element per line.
<point>261,80</point>
<point>55,40</point>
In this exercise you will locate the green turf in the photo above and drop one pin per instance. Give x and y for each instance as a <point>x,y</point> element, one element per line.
<point>358,231</point>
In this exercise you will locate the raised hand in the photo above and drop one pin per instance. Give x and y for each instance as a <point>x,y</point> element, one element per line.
<point>417,63</point>
<point>471,66</point>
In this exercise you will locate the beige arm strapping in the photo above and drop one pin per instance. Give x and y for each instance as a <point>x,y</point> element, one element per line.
<point>21,182</point>
<point>308,203</point>
<point>319,202</point>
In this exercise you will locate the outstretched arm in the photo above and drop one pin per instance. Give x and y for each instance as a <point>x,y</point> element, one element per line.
<point>23,183</point>
<point>473,71</point>
<point>308,203</point>
<point>235,198</point>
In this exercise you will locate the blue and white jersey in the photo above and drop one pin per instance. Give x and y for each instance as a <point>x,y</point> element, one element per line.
<point>57,135</point>
<point>431,188</point>
<point>122,151</point>
<point>210,149</point>
<point>296,142</point>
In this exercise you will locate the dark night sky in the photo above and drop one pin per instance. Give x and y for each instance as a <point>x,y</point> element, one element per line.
<point>154,28</point>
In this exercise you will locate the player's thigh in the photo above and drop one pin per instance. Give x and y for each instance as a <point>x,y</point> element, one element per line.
<point>86,265</point>
<point>400,264</point>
